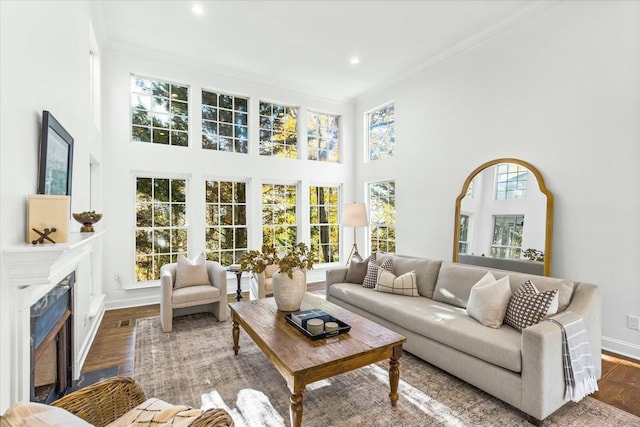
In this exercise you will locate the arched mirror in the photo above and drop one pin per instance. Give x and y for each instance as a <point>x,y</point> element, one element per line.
<point>504,218</point>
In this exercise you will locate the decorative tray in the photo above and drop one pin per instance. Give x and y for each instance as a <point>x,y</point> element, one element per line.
<point>299,320</point>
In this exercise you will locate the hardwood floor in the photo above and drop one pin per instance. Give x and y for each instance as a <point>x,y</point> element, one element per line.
<point>115,345</point>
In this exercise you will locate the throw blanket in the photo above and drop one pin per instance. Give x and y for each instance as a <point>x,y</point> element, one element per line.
<point>579,372</point>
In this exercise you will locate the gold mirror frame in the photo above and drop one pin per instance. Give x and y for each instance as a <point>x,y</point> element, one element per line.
<point>543,188</point>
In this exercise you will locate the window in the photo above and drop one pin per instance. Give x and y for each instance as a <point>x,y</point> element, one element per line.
<point>226,220</point>
<point>278,130</point>
<point>161,225</point>
<point>463,239</point>
<point>224,122</point>
<point>382,207</point>
<point>511,181</point>
<point>279,221</point>
<point>159,112</point>
<point>507,236</point>
<point>381,131</point>
<point>323,220</point>
<point>323,137</point>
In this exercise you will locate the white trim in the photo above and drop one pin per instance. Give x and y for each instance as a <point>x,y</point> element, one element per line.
<point>620,347</point>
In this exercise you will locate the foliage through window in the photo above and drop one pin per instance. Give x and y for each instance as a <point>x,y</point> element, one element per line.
<point>323,137</point>
<point>463,238</point>
<point>279,221</point>
<point>159,112</point>
<point>382,213</point>
<point>511,181</point>
<point>161,225</point>
<point>225,220</point>
<point>224,122</point>
<point>278,130</point>
<point>324,224</point>
<point>507,236</point>
<point>381,131</point>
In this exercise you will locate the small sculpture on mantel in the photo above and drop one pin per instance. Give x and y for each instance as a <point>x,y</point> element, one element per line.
<point>44,235</point>
<point>87,219</point>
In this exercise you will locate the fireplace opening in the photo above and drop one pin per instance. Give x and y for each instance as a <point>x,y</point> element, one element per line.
<point>51,342</point>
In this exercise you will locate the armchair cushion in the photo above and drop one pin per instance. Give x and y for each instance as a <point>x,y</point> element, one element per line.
<point>270,270</point>
<point>191,273</point>
<point>194,293</point>
<point>156,413</point>
<point>31,414</point>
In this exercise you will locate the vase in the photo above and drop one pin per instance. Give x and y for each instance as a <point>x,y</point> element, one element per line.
<point>288,292</point>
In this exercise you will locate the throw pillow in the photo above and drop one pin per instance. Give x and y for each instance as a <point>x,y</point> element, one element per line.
<point>191,273</point>
<point>528,307</point>
<point>371,278</point>
<point>40,415</point>
<point>488,300</point>
<point>405,284</point>
<point>357,271</point>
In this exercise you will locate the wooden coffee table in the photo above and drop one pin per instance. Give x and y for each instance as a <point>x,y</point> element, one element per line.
<point>302,361</point>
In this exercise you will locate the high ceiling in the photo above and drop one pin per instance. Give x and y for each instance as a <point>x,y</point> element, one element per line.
<point>307,45</point>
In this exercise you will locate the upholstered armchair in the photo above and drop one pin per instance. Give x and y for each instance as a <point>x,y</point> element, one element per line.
<point>185,298</point>
<point>261,284</point>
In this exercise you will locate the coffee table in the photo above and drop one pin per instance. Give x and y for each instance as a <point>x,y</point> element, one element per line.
<point>302,361</point>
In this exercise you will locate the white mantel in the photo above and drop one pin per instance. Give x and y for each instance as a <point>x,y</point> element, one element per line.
<point>32,271</point>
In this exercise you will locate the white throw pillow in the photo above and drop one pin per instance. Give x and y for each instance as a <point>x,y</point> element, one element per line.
<point>488,300</point>
<point>404,284</point>
<point>191,273</point>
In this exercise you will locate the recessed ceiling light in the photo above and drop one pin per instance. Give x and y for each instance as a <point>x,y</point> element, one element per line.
<point>197,9</point>
<point>355,60</point>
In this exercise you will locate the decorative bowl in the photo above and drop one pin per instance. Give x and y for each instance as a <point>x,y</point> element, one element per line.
<point>87,219</point>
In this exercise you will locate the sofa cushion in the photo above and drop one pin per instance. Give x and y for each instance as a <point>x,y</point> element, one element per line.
<point>31,414</point>
<point>528,307</point>
<point>357,271</point>
<point>158,413</point>
<point>405,284</point>
<point>204,293</point>
<point>371,278</point>
<point>455,282</point>
<point>191,273</point>
<point>488,300</point>
<point>438,321</point>
<point>426,272</point>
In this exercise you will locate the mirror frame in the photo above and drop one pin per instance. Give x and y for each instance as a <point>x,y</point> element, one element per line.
<point>543,188</point>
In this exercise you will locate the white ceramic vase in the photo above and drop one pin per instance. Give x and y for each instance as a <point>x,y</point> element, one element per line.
<point>288,292</point>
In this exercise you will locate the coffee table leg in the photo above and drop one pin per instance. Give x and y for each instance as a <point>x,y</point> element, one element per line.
<point>295,409</point>
<point>236,337</point>
<point>394,374</point>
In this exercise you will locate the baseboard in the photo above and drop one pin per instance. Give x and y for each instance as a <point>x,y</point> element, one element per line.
<point>132,302</point>
<point>622,348</point>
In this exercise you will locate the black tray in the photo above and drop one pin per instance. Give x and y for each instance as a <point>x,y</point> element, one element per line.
<point>343,328</point>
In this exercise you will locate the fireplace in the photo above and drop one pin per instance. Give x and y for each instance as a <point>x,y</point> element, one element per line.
<point>51,342</point>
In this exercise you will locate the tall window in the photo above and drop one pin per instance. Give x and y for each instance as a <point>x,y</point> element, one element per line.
<point>507,236</point>
<point>161,225</point>
<point>463,239</point>
<point>382,206</point>
<point>381,131</point>
<point>225,221</point>
<point>279,221</point>
<point>224,122</point>
<point>323,137</point>
<point>159,112</point>
<point>323,219</point>
<point>511,181</point>
<point>278,130</point>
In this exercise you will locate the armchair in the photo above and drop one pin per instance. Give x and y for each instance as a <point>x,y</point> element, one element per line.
<point>261,284</point>
<point>192,299</point>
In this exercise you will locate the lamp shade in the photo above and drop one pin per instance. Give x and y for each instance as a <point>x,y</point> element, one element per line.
<point>354,215</point>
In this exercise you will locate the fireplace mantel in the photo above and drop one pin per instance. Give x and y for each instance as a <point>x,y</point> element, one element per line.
<point>45,264</point>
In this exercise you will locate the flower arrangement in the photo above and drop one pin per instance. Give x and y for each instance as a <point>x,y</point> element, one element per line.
<point>533,254</point>
<point>297,257</point>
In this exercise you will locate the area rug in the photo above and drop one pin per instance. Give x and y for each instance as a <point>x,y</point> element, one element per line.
<point>195,365</point>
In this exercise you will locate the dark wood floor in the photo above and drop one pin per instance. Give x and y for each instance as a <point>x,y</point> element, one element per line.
<point>115,345</point>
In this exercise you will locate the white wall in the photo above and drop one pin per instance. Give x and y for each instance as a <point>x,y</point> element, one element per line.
<point>43,66</point>
<point>123,158</point>
<point>559,90</point>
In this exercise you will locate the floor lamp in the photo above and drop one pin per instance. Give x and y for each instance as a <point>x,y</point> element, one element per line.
<point>354,215</point>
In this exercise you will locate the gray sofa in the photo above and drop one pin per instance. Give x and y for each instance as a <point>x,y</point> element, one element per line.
<point>524,369</point>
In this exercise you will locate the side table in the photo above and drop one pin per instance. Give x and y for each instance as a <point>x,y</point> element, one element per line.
<point>235,268</point>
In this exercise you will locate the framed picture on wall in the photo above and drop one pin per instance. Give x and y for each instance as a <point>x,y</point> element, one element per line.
<point>56,158</point>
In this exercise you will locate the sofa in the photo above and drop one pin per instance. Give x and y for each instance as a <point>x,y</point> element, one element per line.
<point>522,368</point>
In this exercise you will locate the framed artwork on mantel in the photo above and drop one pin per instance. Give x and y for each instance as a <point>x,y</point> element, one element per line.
<point>56,158</point>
